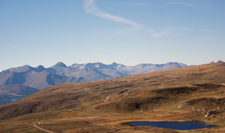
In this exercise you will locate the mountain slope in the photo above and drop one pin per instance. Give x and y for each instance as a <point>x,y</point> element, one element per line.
<point>11,93</point>
<point>143,68</point>
<point>12,78</point>
<point>36,79</point>
<point>45,79</point>
<point>20,69</point>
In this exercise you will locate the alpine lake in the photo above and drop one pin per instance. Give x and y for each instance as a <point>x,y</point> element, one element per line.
<point>188,125</point>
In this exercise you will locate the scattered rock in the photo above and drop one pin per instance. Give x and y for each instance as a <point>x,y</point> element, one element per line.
<point>122,91</point>
<point>179,106</point>
<point>208,114</point>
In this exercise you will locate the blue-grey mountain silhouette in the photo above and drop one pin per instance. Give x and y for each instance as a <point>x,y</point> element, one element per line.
<point>40,77</point>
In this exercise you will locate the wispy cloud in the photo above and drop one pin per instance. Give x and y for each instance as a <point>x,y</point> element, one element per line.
<point>12,46</point>
<point>140,4</point>
<point>186,4</point>
<point>208,30</point>
<point>178,28</point>
<point>90,7</point>
<point>170,31</point>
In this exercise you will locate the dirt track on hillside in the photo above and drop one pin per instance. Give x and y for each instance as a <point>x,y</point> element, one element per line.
<point>43,129</point>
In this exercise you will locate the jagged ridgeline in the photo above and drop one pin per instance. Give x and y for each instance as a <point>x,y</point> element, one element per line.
<point>38,78</point>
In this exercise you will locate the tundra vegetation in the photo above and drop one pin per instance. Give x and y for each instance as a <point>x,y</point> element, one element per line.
<point>193,93</point>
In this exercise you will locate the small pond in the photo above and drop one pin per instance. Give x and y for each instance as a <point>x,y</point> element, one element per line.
<point>188,125</point>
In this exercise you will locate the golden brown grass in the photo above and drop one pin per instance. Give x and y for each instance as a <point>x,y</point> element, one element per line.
<point>184,94</point>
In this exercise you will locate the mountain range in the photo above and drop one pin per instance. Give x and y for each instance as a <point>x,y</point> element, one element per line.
<point>38,78</point>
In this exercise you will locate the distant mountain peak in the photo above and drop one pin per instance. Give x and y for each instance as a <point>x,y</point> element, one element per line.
<point>115,64</point>
<point>60,64</point>
<point>40,68</point>
<point>21,68</point>
<point>172,63</point>
<point>25,66</point>
<point>97,64</point>
<point>219,61</point>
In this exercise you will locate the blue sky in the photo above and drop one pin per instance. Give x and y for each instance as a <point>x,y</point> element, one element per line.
<point>43,32</point>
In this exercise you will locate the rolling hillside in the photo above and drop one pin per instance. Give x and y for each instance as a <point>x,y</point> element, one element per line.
<point>187,94</point>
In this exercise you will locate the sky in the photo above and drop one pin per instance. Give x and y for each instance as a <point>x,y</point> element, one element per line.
<point>130,32</point>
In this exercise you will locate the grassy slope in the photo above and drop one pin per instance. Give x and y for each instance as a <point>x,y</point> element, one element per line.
<point>173,95</point>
